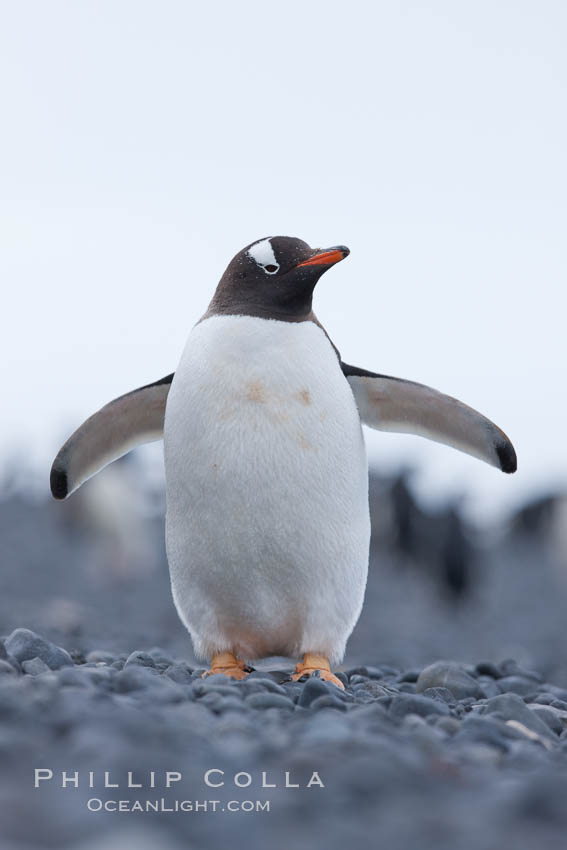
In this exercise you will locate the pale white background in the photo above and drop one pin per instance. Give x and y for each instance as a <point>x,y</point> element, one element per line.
<point>142,144</point>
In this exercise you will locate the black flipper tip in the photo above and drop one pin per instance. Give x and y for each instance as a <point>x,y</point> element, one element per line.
<point>58,483</point>
<point>507,456</point>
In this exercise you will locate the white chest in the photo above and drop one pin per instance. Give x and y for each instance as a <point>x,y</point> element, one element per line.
<point>267,484</point>
<point>262,389</point>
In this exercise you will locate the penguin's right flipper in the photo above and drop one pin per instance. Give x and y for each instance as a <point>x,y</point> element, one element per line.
<point>111,432</point>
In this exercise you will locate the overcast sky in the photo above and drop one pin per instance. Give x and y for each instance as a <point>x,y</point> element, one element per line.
<point>143,144</point>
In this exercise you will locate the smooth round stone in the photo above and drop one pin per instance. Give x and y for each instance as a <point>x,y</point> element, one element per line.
<point>373,689</point>
<point>328,701</point>
<point>143,659</point>
<point>312,690</point>
<point>443,694</point>
<point>133,678</point>
<point>277,676</point>
<point>489,686</point>
<point>450,725</point>
<point>230,703</point>
<point>512,707</point>
<point>160,657</point>
<point>389,671</point>
<point>262,686</point>
<point>486,730</point>
<point>268,700</point>
<point>100,656</point>
<point>448,674</point>
<point>5,667</point>
<point>357,671</point>
<point>24,645</point>
<point>480,753</point>
<point>549,717</point>
<point>409,676</point>
<point>510,667</point>
<point>403,704</point>
<point>486,668</point>
<point>220,685</point>
<point>179,674</point>
<point>516,685</point>
<point>544,698</point>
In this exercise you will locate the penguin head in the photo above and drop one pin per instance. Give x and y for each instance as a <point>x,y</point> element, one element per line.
<point>274,277</point>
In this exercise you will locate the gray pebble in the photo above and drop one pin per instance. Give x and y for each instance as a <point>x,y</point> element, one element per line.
<point>448,674</point>
<point>34,666</point>
<point>357,679</point>
<point>409,676</point>
<point>14,663</point>
<point>312,690</point>
<point>143,659</point>
<point>549,717</point>
<point>100,655</point>
<point>544,698</point>
<point>489,686</point>
<point>486,668</point>
<point>160,657</point>
<point>512,707</point>
<point>24,645</point>
<point>403,704</point>
<point>485,730</point>
<point>450,725</point>
<point>276,676</point>
<point>207,686</point>
<point>357,671</point>
<point>179,674</point>
<point>269,700</point>
<point>5,667</point>
<point>328,701</point>
<point>443,694</point>
<point>262,684</point>
<point>389,671</point>
<point>510,667</point>
<point>133,678</point>
<point>374,689</point>
<point>516,685</point>
<point>229,703</point>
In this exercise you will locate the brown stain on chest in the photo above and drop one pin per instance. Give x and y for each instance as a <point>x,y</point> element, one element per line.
<point>304,397</point>
<point>256,391</point>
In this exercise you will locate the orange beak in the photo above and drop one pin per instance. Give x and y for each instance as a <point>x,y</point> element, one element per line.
<point>326,258</point>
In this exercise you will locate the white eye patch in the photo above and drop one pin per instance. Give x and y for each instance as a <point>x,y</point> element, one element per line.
<point>263,255</point>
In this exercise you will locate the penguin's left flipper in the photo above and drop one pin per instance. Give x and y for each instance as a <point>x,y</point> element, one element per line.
<point>111,432</point>
<point>393,404</point>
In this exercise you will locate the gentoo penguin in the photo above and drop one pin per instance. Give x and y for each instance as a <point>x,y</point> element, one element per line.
<point>267,526</point>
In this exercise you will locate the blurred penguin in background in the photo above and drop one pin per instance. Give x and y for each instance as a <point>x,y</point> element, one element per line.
<point>111,514</point>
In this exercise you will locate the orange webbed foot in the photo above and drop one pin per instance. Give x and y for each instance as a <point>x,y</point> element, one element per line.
<point>229,665</point>
<point>319,663</point>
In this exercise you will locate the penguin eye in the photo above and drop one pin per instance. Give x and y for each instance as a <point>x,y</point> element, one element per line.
<point>271,269</point>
